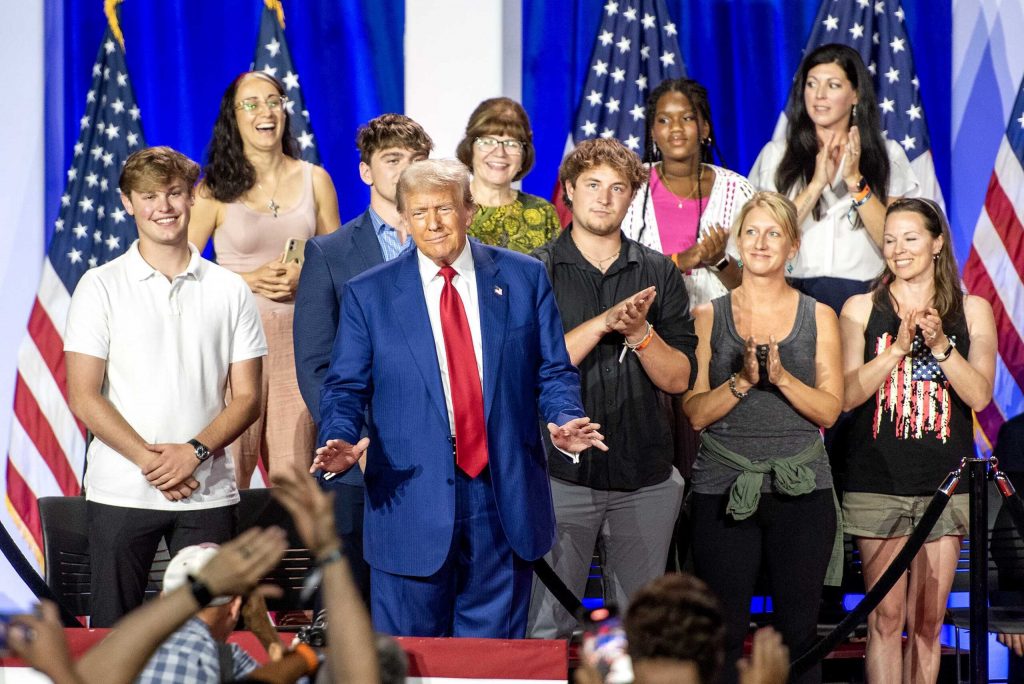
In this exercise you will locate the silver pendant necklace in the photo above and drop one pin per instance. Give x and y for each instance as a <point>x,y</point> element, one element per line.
<point>272,205</point>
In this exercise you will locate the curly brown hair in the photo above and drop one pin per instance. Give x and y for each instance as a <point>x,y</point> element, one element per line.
<point>391,130</point>
<point>678,618</point>
<point>597,152</point>
<point>498,116</point>
<point>155,166</point>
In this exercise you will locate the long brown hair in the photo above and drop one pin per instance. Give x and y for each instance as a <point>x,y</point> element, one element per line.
<point>949,296</point>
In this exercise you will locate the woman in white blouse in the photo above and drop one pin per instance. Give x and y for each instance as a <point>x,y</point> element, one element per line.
<point>840,172</point>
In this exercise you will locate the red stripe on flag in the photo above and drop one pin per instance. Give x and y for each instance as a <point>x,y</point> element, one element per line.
<point>38,429</point>
<point>1011,347</point>
<point>24,502</point>
<point>1004,219</point>
<point>561,208</point>
<point>50,345</point>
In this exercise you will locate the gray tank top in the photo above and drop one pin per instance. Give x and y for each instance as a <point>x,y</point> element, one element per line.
<point>763,425</point>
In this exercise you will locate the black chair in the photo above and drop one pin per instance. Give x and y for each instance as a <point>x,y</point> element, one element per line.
<point>258,508</point>
<point>66,551</point>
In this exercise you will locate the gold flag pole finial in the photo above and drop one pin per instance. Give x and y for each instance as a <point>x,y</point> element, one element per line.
<point>110,9</point>
<point>278,8</point>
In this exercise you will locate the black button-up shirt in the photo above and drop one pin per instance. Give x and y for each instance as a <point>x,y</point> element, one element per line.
<point>634,414</point>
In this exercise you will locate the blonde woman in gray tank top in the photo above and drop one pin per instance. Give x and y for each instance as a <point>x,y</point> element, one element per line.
<point>769,377</point>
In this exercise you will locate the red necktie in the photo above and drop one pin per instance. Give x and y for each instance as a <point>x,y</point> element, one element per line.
<point>464,380</point>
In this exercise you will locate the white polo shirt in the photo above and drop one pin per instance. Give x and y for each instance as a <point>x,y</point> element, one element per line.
<point>168,347</point>
<point>832,246</point>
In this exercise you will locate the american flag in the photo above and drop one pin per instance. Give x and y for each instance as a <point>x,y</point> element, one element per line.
<point>995,271</point>
<point>875,29</point>
<point>46,454</point>
<point>636,49</point>
<point>274,58</point>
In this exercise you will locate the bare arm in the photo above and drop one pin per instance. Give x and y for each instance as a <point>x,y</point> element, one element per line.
<point>351,654</point>
<point>972,377</point>
<point>85,380</point>
<point>862,380</point>
<point>328,217</point>
<point>702,404</point>
<point>206,216</point>
<point>821,403</point>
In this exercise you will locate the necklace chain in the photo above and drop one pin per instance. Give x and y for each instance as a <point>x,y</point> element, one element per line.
<point>272,205</point>
<point>694,187</point>
<point>598,262</point>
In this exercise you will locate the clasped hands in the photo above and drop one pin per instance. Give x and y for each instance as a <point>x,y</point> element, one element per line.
<point>170,470</point>
<point>930,324</point>
<point>751,371</point>
<point>578,434</point>
<point>629,317</point>
<point>832,153</point>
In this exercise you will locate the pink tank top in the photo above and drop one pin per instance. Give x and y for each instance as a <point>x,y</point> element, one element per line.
<point>677,217</point>
<point>247,239</point>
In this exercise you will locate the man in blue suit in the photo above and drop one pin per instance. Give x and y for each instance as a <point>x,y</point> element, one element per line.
<point>456,348</point>
<point>387,145</point>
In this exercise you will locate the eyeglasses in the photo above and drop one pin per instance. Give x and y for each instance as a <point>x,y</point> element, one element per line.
<point>512,147</point>
<point>251,104</point>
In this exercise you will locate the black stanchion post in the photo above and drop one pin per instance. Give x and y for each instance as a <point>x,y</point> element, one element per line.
<point>978,468</point>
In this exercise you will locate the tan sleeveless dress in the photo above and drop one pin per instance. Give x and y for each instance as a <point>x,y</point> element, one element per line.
<point>284,432</point>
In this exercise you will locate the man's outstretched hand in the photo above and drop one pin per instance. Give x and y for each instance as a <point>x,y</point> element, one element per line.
<point>337,455</point>
<point>577,435</point>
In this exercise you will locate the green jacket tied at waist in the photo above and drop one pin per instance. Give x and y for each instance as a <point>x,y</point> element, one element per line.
<point>790,475</point>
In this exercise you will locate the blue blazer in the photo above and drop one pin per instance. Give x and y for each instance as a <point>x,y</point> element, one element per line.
<point>384,358</point>
<point>330,262</point>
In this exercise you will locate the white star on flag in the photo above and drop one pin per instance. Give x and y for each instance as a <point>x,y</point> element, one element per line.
<point>832,23</point>
<point>273,47</point>
<point>305,140</point>
<point>606,38</point>
<point>893,74</point>
<point>619,75</point>
<point>857,31</point>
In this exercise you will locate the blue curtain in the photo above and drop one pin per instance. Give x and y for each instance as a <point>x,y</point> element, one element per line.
<point>183,54</point>
<point>349,56</point>
<point>746,53</point>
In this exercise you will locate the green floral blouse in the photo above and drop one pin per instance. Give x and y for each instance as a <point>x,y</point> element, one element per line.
<point>524,225</point>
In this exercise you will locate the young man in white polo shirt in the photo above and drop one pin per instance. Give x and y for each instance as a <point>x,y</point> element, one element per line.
<point>153,340</point>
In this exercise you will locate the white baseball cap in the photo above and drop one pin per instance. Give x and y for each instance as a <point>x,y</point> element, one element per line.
<point>189,561</point>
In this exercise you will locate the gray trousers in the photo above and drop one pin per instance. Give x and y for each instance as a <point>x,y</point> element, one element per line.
<point>632,532</point>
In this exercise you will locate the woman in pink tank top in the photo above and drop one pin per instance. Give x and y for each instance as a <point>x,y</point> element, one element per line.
<point>255,196</point>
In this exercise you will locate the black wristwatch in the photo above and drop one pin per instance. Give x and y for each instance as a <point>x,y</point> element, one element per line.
<point>202,451</point>
<point>720,266</point>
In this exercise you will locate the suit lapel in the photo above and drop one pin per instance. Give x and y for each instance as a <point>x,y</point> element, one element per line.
<point>411,313</point>
<point>366,241</point>
<point>492,294</point>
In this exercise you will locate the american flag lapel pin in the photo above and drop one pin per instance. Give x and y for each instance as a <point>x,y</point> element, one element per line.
<point>498,291</point>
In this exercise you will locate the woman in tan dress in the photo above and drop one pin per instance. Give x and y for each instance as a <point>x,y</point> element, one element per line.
<point>255,196</point>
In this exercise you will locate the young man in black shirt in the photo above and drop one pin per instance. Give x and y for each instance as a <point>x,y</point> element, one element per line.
<point>628,329</point>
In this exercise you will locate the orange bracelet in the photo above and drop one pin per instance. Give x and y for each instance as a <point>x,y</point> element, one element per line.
<point>646,341</point>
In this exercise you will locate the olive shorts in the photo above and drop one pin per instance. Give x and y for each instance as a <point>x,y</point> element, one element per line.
<point>883,516</point>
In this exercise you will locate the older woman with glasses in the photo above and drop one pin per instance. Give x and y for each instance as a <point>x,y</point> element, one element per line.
<point>498,148</point>
<point>256,196</point>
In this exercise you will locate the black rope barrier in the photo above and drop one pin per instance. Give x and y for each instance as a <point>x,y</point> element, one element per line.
<point>892,574</point>
<point>31,578</point>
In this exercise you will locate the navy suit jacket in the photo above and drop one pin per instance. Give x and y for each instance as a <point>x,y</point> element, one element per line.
<point>384,358</point>
<point>330,262</point>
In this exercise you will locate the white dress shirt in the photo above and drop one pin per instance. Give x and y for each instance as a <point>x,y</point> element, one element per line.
<point>465,285</point>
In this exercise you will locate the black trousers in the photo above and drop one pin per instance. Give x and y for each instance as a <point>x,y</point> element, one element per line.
<point>123,542</point>
<point>789,540</point>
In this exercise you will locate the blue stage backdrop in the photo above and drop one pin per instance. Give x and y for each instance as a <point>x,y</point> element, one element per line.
<point>349,56</point>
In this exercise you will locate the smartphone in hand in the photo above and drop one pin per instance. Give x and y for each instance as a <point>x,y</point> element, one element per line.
<point>294,250</point>
<point>604,645</point>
